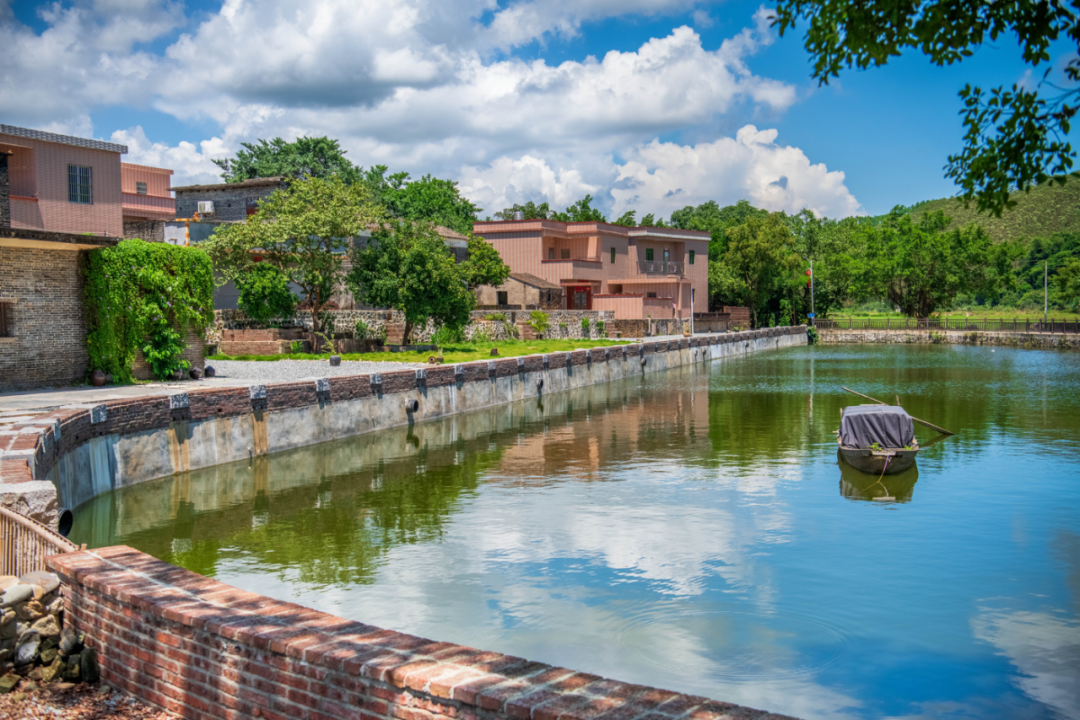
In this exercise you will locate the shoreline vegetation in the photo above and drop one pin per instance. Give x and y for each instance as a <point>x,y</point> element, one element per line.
<point>450,353</point>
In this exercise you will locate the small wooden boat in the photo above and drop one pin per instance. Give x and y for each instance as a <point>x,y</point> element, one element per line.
<point>877,439</point>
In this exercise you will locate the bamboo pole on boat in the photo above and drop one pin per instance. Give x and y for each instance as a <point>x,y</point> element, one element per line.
<point>921,422</point>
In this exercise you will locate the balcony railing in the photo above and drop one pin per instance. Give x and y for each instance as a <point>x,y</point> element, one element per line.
<point>661,268</point>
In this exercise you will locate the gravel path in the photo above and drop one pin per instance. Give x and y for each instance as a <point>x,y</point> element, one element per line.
<point>75,702</point>
<point>293,370</point>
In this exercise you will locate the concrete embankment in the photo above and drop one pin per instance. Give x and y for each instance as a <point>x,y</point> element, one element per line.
<point>1044,341</point>
<point>86,451</point>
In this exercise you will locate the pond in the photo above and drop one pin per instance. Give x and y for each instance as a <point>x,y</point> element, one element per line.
<point>691,530</point>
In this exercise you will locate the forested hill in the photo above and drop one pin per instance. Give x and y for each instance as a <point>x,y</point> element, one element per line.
<point>1040,213</point>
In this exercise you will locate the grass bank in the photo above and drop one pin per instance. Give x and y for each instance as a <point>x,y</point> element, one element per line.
<point>456,353</point>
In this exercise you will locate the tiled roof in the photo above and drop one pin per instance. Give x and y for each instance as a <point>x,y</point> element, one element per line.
<point>253,182</point>
<point>62,139</point>
<point>535,281</point>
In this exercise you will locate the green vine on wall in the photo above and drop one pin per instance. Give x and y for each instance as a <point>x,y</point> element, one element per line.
<point>144,296</point>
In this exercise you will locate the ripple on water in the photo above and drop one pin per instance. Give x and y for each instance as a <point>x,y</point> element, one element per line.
<point>727,644</point>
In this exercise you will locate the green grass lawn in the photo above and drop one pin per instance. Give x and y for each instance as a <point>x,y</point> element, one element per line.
<point>457,353</point>
<point>974,313</point>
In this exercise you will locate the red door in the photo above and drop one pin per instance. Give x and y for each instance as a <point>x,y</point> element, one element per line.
<point>580,298</point>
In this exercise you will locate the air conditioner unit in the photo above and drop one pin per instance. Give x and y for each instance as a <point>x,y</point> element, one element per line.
<point>206,207</point>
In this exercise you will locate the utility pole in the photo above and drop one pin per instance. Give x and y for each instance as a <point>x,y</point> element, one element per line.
<point>813,312</point>
<point>1046,291</point>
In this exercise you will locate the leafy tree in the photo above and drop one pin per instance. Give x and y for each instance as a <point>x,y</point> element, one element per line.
<point>406,266</point>
<point>304,232</point>
<point>1067,282</point>
<point>484,266</point>
<point>306,157</point>
<point>427,199</point>
<point>835,250</point>
<point>627,219</point>
<point>759,263</point>
<point>581,211</point>
<point>265,293</point>
<point>530,210</point>
<point>711,218</point>
<point>921,266</point>
<point>651,221</point>
<point>1016,137</point>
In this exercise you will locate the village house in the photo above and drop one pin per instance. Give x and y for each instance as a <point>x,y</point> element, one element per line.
<point>61,196</point>
<point>643,272</point>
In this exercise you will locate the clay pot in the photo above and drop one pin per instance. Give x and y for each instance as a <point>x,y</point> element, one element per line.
<point>209,371</point>
<point>494,351</point>
<point>178,375</point>
<point>97,378</point>
<point>195,374</point>
<point>335,360</point>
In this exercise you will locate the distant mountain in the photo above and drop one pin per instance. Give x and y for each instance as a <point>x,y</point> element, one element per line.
<point>1040,213</point>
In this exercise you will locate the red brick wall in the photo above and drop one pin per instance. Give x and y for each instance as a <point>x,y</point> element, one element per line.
<point>203,649</point>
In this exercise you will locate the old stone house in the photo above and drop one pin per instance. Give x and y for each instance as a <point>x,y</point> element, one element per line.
<point>521,291</point>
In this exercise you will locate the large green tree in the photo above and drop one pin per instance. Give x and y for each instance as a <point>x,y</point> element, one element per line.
<point>406,266</point>
<point>922,266</point>
<point>1067,282</point>
<point>427,199</point>
<point>485,266</point>
<point>833,246</point>
<point>760,263</point>
<point>581,211</point>
<point>305,157</point>
<point>530,211</point>
<point>711,218</point>
<point>1016,136</point>
<point>303,231</point>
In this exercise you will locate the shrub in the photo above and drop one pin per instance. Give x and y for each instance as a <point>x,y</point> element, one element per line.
<point>363,331</point>
<point>495,317</point>
<point>538,321</point>
<point>600,328</point>
<point>585,326</point>
<point>265,294</point>
<point>144,296</point>
<point>447,335</point>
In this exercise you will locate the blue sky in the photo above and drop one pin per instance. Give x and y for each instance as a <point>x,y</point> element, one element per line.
<point>646,104</point>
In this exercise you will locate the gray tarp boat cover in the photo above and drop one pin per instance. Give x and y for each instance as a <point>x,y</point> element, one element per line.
<point>863,425</point>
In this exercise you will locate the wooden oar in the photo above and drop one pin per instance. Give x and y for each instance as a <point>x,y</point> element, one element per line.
<point>932,426</point>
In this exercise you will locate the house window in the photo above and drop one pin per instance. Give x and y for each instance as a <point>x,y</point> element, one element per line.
<point>650,294</point>
<point>79,190</point>
<point>612,256</point>
<point>691,257</point>
<point>564,253</point>
<point>140,188</point>
<point>7,319</point>
<point>551,253</point>
<point>502,297</point>
<point>648,255</point>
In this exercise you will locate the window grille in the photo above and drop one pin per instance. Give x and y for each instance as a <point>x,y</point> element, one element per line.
<point>650,294</point>
<point>79,185</point>
<point>502,298</point>
<point>140,188</point>
<point>692,257</point>
<point>612,256</point>
<point>7,319</point>
<point>648,255</point>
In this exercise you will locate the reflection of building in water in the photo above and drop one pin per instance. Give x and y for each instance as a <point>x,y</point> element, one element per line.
<point>857,485</point>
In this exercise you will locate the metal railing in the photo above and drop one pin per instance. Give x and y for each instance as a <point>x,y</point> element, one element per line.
<point>25,543</point>
<point>661,268</point>
<point>970,324</point>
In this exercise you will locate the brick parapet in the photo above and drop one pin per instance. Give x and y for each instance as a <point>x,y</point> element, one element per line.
<point>203,649</point>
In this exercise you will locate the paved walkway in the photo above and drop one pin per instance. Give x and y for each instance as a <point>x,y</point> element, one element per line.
<point>84,395</point>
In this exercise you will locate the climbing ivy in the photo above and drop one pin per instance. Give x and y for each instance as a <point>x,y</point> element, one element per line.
<point>144,296</point>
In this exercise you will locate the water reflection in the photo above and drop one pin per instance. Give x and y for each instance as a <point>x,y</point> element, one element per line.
<point>684,531</point>
<point>858,485</point>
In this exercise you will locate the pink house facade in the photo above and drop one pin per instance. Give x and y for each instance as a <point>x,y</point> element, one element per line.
<point>635,272</point>
<point>60,183</point>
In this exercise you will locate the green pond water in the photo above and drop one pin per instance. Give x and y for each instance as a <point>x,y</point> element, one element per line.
<point>692,530</point>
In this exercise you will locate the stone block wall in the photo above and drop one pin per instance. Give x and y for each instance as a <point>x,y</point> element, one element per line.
<point>148,230</point>
<point>202,649</point>
<point>48,347</point>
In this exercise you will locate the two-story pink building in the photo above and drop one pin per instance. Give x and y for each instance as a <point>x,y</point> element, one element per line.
<point>60,183</point>
<point>636,272</point>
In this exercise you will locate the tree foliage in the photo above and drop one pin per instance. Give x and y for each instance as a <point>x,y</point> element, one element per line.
<point>265,293</point>
<point>303,231</point>
<point>1016,137</point>
<point>406,266</point>
<point>530,211</point>
<point>922,266</point>
<point>581,211</point>
<point>760,263</point>
<point>485,266</point>
<point>711,218</point>
<point>1067,282</point>
<point>427,199</point>
<point>143,296</point>
<point>306,157</point>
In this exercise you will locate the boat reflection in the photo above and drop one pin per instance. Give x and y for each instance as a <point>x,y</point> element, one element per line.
<point>857,485</point>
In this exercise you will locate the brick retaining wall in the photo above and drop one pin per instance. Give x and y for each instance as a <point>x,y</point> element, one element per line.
<point>1028,341</point>
<point>203,650</point>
